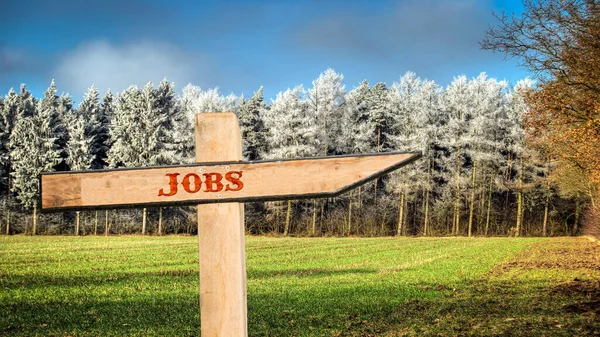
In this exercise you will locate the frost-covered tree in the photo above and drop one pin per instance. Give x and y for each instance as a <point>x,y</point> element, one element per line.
<point>456,102</point>
<point>96,127</point>
<point>143,128</point>
<point>292,131</point>
<point>78,148</point>
<point>356,134</point>
<point>124,150</point>
<point>8,114</point>
<point>103,139</point>
<point>415,125</point>
<point>50,107</point>
<point>126,133</point>
<point>487,96</point>
<point>325,105</point>
<point>520,158</point>
<point>379,115</point>
<point>252,126</point>
<point>193,101</point>
<point>33,150</point>
<point>169,118</point>
<point>26,103</point>
<point>168,114</point>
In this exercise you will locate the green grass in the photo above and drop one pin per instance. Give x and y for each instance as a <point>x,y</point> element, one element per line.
<point>148,286</point>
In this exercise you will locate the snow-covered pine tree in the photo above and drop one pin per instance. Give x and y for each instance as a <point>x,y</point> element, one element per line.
<point>103,140</point>
<point>379,117</point>
<point>292,131</point>
<point>78,146</point>
<point>252,126</point>
<point>48,107</point>
<point>457,103</point>
<point>123,151</point>
<point>149,132</point>
<point>356,134</point>
<point>520,154</point>
<point>167,113</point>
<point>431,123</point>
<point>142,129</point>
<point>26,106</point>
<point>169,117</point>
<point>193,101</point>
<point>488,103</point>
<point>33,150</point>
<point>96,126</point>
<point>8,114</point>
<point>415,126</point>
<point>325,105</point>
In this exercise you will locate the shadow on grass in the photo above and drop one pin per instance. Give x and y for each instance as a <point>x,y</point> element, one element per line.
<point>175,316</point>
<point>12,282</point>
<point>483,308</point>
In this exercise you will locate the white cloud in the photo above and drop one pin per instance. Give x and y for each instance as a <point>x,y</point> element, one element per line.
<point>116,67</point>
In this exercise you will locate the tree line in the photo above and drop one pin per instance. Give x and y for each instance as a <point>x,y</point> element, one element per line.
<point>478,174</point>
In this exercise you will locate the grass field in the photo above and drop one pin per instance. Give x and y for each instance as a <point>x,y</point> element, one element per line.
<point>148,286</point>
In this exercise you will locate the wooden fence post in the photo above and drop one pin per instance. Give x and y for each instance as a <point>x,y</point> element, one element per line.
<point>223,308</point>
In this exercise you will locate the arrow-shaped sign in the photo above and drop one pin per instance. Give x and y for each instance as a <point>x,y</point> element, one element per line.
<point>215,182</point>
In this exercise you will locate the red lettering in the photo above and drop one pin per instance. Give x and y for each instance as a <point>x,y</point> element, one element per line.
<point>172,185</point>
<point>186,183</point>
<point>234,180</point>
<point>213,182</point>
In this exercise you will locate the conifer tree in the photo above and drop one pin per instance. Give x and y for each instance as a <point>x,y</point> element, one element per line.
<point>78,148</point>
<point>379,117</point>
<point>193,101</point>
<point>482,149</point>
<point>8,114</point>
<point>325,104</point>
<point>252,126</point>
<point>356,135</point>
<point>413,127</point>
<point>456,102</point>
<point>142,129</point>
<point>96,126</point>
<point>521,155</point>
<point>169,116</point>
<point>52,109</point>
<point>34,149</point>
<point>103,140</point>
<point>292,132</point>
<point>26,106</point>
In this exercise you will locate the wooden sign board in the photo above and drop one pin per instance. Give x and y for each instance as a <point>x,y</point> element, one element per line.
<point>215,182</point>
<point>221,181</point>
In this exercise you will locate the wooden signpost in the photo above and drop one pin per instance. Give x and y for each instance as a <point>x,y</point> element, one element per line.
<point>218,184</point>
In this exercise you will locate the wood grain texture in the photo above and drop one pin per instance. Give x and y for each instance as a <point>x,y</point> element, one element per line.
<point>223,308</point>
<point>272,180</point>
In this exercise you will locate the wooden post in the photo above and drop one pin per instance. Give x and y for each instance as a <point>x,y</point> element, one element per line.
<point>223,308</point>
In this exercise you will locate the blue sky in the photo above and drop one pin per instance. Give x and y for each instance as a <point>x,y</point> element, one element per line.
<point>241,45</point>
